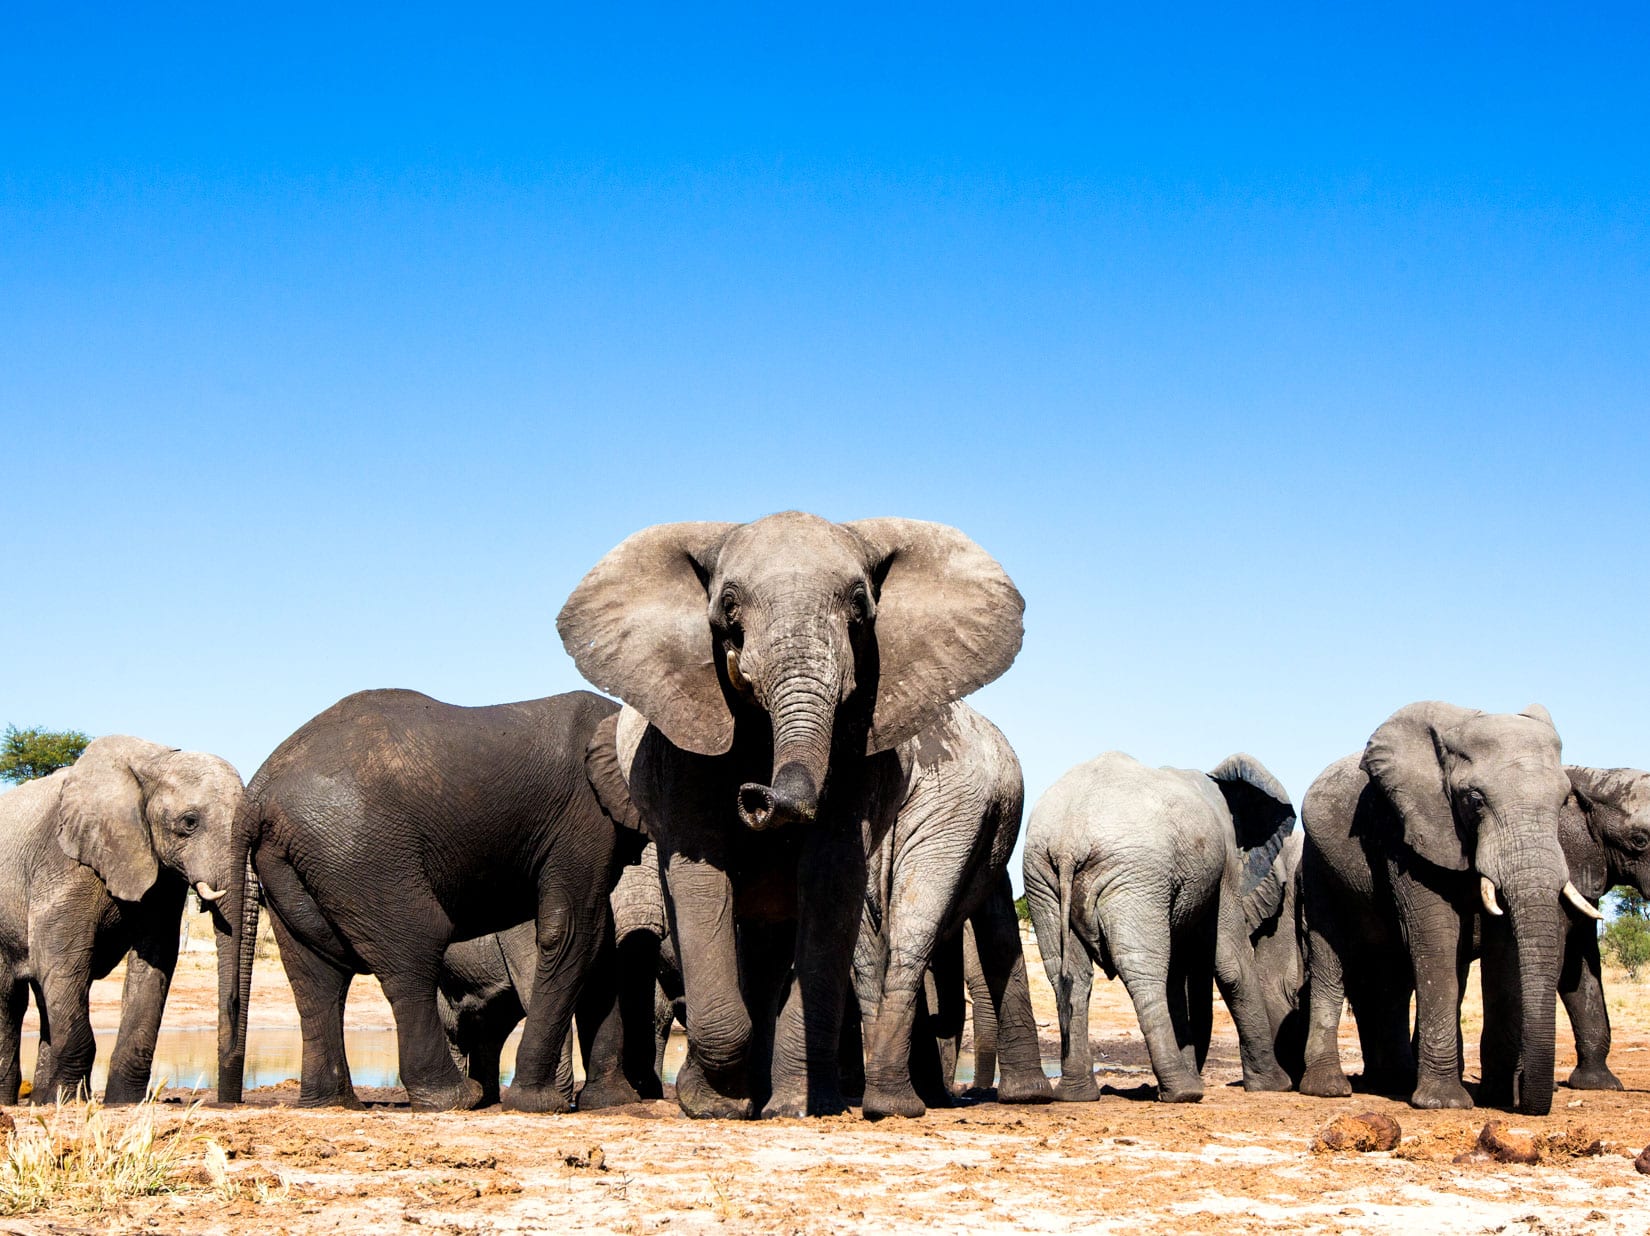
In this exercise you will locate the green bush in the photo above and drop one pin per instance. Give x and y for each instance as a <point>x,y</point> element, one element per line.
<point>31,753</point>
<point>1022,909</point>
<point>1626,938</point>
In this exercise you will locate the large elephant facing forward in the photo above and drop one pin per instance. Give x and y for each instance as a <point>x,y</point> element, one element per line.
<point>1445,830</point>
<point>778,664</point>
<point>1160,875</point>
<point>95,863</point>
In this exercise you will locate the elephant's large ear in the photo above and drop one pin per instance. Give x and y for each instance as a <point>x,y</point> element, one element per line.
<point>1581,832</point>
<point>1263,819</point>
<point>638,627</point>
<point>1406,759</point>
<point>948,622</point>
<point>602,767</point>
<point>100,814</point>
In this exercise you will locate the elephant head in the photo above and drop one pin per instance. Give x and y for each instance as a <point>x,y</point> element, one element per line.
<point>1606,829</point>
<point>1482,793</point>
<point>858,633</point>
<point>129,808</point>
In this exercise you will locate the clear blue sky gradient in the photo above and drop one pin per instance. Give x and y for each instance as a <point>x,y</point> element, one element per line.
<point>1296,364</point>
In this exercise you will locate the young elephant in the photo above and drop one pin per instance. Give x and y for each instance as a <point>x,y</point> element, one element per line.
<point>777,665</point>
<point>486,987</point>
<point>1605,832</point>
<point>1158,875</point>
<point>97,860</point>
<point>393,824</point>
<point>1445,831</point>
<point>943,864</point>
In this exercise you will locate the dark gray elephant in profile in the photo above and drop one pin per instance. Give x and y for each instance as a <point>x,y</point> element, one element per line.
<point>1442,837</point>
<point>1160,876</point>
<point>1605,832</point>
<point>96,861</point>
<point>779,664</point>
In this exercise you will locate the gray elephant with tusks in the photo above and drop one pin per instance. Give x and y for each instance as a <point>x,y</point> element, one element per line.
<point>96,863</point>
<point>1441,839</point>
<point>779,664</point>
<point>1160,876</point>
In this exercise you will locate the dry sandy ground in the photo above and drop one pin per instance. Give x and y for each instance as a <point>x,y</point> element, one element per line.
<point>1234,1163</point>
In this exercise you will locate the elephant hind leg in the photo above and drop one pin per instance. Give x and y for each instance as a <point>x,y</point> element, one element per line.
<point>1140,946</point>
<point>319,989</point>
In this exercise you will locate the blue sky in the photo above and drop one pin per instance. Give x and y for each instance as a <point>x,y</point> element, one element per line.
<point>1296,364</point>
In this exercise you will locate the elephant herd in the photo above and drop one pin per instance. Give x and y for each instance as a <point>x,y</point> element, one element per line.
<point>793,838</point>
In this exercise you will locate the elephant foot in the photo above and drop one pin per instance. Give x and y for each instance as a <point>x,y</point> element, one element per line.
<point>1326,1082</point>
<point>1020,1087</point>
<point>466,1095</point>
<point>702,1101</point>
<point>1593,1077</point>
<point>544,1098</point>
<point>1273,1079</point>
<point>124,1096</point>
<point>1078,1089</point>
<point>612,1091</point>
<point>883,1101</point>
<point>1189,1090</point>
<point>338,1098</point>
<point>810,1101</point>
<point>1431,1095</point>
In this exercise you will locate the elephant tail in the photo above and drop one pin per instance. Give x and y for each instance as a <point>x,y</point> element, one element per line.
<point>1068,874</point>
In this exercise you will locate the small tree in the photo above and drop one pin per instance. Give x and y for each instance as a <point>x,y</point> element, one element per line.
<point>31,753</point>
<point>1626,939</point>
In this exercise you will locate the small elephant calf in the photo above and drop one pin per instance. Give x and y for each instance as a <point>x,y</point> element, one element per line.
<point>1160,875</point>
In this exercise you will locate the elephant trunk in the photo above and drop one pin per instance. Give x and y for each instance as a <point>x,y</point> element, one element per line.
<point>1537,926</point>
<point>802,700</point>
<point>236,948</point>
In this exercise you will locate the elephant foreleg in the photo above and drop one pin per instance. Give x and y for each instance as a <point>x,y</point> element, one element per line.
<point>831,893</point>
<point>1434,929</point>
<point>1582,990</point>
<point>65,1069</point>
<point>14,1003</point>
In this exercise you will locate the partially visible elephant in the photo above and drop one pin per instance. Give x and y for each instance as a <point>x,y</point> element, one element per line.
<point>486,987</point>
<point>944,864</point>
<point>1159,875</point>
<point>393,825</point>
<point>1605,832</point>
<point>776,667</point>
<point>96,861</point>
<point>1411,851</point>
<point>1280,955</point>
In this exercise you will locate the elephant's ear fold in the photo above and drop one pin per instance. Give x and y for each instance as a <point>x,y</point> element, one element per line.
<point>1535,712</point>
<point>1262,819</point>
<point>100,814</point>
<point>948,621</point>
<point>638,627</point>
<point>1405,757</point>
<point>601,766</point>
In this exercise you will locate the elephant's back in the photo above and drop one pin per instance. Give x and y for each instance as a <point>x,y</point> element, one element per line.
<point>1115,793</point>
<point>1331,803</point>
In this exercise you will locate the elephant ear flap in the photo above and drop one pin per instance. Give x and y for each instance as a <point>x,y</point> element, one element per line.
<point>1535,712</point>
<point>100,815</point>
<point>948,621</point>
<point>638,627</point>
<point>1263,819</point>
<point>1405,757</point>
<point>601,766</point>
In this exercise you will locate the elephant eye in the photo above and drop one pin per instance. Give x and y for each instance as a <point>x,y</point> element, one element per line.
<point>189,821</point>
<point>728,604</point>
<point>1473,800</point>
<point>1638,840</point>
<point>859,604</point>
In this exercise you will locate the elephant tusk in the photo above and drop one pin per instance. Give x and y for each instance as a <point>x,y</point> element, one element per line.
<point>1486,893</point>
<point>1572,894</point>
<point>739,681</point>
<point>207,892</point>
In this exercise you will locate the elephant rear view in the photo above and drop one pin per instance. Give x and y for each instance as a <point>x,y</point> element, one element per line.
<point>1444,830</point>
<point>1159,875</point>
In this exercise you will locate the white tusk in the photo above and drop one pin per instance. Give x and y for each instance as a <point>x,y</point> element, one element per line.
<point>207,892</point>
<point>734,676</point>
<point>1486,893</point>
<point>1572,894</point>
